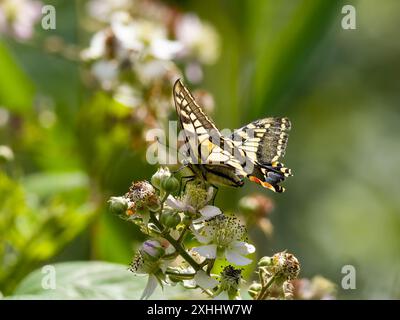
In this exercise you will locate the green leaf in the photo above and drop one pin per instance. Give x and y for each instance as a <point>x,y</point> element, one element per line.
<point>16,89</point>
<point>282,50</point>
<point>92,280</point>
<point>47,183</point>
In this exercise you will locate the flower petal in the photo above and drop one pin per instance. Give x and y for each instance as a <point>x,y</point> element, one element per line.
<point>235,257</point>
<point>203,280</point>
<point>201,238</point>
<point>152,283</point>
<point>223,295</point>
<point>165,49</point>
<point>242,247</point>
<point>209,251</point>
<point>175,203</point>
<point>210,211</point>
<point>196,229</point>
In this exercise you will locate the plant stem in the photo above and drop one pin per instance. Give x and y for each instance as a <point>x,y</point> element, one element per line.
<point>182,236</point>
<point>181,275</point>
<point>175,244</point>
<point>210,265</point>
<point>264,290</point>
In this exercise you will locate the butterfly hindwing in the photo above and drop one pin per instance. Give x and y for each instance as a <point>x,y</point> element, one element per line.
<point>264,142</point>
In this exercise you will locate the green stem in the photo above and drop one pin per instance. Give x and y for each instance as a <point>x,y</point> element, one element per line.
<point>264,290</point>
<point>210,265</point>
<point>185,276</point>
<point>175,244</point>
<point>182,235</point>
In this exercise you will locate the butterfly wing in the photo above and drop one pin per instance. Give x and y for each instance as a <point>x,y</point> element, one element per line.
<point>206,145</point>
<point>251,151</point>
<point>264,141</point>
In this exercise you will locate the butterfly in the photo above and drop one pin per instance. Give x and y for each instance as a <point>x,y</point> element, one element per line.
<point>250,152</point>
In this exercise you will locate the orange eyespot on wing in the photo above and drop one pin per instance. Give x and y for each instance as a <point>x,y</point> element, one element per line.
<point>267,185</point>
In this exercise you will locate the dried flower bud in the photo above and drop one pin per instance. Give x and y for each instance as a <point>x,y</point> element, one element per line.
<point>285,265</point>
<point>161,175</point>
<point>143,195</point>
<point>118,205</point>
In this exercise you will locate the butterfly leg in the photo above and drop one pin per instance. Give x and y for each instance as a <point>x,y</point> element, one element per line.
<point>180,169</point>
<point>215,194</point>
<point>188,179</point>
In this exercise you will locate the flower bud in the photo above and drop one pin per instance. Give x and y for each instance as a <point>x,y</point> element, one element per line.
<point>152,250</point>
<point>170,219</point>
<point>118,205</point>
<point>170,184</point>
<point>186,220</point>
<point>161,175</point>
<point>254,289</point>
<point>265,261</point>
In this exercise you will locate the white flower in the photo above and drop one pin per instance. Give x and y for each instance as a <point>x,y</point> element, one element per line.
<point>223,236</point>
<point>153,69</point>
<point>195,200</point>
<point>128,96</point>
<point>151,286</point>
<point>18,17</point>
<point>106,71</point>
<point>127,31</point>
<point>199,38</point>
<point>204,281</point>
<point>97,47</point>
<point>165,49</point>
<point>102,10</point>
<point>146,262</point>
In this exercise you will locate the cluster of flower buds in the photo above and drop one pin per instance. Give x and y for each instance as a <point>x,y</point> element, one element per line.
<point>276,275</point>
<point>167,217</point>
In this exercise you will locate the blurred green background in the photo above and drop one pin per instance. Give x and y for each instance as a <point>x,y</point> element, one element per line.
<point>340,88</point>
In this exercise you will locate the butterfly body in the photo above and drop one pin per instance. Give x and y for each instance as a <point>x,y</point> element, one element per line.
<point>219,175</point>
<point>251,151</point>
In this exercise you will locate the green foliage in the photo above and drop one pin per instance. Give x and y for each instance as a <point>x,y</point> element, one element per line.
<point>34,229</point>
<point>17,98</point>
<point>92,280</point>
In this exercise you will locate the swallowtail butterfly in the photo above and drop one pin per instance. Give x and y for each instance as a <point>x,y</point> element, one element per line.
<point>252,151</point>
